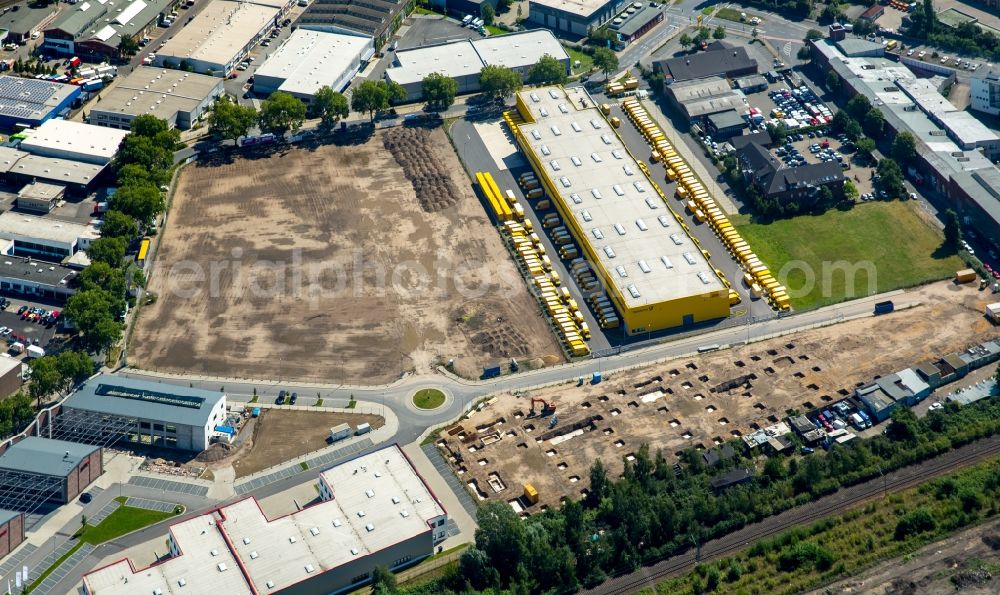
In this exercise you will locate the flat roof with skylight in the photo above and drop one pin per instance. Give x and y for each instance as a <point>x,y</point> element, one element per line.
<point>219,32</point>
<point>583,8</point>
<point>638,241</point>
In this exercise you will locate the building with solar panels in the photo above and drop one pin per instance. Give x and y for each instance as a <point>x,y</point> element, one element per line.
<point>146,413</point>
<point>44,470</point>
<point>92,29</point>
<point>30,102</point>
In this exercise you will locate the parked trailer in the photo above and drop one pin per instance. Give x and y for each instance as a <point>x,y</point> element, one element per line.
<point>884,307</point>
<point>340,432</point>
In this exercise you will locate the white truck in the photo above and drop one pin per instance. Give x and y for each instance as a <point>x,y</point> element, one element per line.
<point>35,351</point>
<point>363,429</point>
<point>340,432</point>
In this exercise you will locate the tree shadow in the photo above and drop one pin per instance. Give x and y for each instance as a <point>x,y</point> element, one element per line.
<point>944,251</point>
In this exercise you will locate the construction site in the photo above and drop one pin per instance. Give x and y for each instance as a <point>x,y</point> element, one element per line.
<point>352,262</point>
<point>549,438</point>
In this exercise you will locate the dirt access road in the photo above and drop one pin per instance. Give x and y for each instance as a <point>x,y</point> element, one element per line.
<point>339,263</point>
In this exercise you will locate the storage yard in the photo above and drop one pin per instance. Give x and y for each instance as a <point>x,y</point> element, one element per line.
<point>699,400</point>
<point>335,263</point>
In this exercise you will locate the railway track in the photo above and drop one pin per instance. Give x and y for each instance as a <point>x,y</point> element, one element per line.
<point>841,500</point>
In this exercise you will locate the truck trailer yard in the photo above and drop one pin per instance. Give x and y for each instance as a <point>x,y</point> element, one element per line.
<point>335,263</point>
<point>697,401</point>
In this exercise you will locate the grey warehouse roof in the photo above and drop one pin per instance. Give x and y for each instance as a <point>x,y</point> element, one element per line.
<point>129,397</point>
<point>7,516</point>
<point>43,456</point>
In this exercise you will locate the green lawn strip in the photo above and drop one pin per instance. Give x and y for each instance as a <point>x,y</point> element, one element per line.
<point>494,30</point>
<point>823,251</point>
<point>586,62</point>
<point>707,11</point>
<point>428,398</point>
<point>352,404</point>
<point>52,568</point>
<point>731,14</point>
<point>807,557</point>
<point>122,521</point>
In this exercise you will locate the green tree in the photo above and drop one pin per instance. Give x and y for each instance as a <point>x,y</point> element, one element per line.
<point>475,566</point>
<point>601,36</point>
<point>805,54</point>
<point>547,71</point>
<point>850,190</point>
<point>865,146</point>
<point>280,113</point>
<point>101,275</point>
<point>930,17</point>
<point>376,96</point>
<point>439,90</point>
<point>45,378</point>
<point>141,202</point>
<point>874,124</point>
<point>606,61</point>
<point>135,175</point>
<point>904,148</point>
<point>853,130</point>
<point>144,152</point>
<point>74,367</point>
<point>93,314</point>
<point>127,47</point>
<point>119,225</point>
<point>719,32</point>
<point>952,230</point>
<point>383,581</point>
<point>833,81</point>
<point>598,484</point>
<point>685,40</point>
<point>891,178</point>
<point>110,250</point>
<point>487,13</point>
<point>858,106</point>
<point>501,536</point>
<point>148,125</point>
<point>230,120</point>
<point>499,81</point>
<point>329,106</point>
<point>814,34</point>
<point>914,522</point>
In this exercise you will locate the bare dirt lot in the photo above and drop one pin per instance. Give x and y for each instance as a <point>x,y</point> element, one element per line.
<point>705,400</point>
<point>965,563</point>
<point>280,435</point>
<point>338,264</point>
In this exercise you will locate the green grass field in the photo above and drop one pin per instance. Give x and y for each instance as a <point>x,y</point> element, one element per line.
<point>123,520</point>
<point>428,398</point>
<point>494,30</point>
<point>586,62</point>
<point>731,14</point>
<point>888,238</point>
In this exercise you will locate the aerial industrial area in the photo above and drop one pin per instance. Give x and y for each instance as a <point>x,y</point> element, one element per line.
<point>507,296</point>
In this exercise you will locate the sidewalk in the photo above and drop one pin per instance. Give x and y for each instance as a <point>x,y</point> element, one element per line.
<point>440,488</point>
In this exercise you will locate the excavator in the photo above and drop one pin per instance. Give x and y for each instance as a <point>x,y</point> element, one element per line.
<point>547,409</point>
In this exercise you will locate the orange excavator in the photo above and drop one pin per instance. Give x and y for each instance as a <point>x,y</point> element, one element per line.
<point>547,408</point>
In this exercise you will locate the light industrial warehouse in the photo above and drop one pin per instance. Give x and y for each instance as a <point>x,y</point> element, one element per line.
<point>463,60</point>
<point>29,102</point>
<point>573,16</point>
<point>150,413</point>
<point>309,60</point>
<point>180,98</point>
<point>77,141</point>
<point>220,36</point>
<point>94,29</point>
<point>45,238</point>
<point>21,167</point>
<point>654,271</point>
<point>40,470</point>
<point>375,511</point>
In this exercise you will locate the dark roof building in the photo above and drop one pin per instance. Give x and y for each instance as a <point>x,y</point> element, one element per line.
<point>21,19</point>
<point>49,470</point>
<point>730,478</point>
<point>94,29</point>
<point>378,18</point>
<point>725,124</point>
<point>718,60</point>
<point>801,424</point>
<point>788,184</point>
<point>718,455</point>
<point>759,138</point>
<point>636,21</point>
<point>873,13</point>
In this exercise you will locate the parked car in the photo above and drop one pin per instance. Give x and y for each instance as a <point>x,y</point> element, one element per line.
<point>295,397</point>
<point>86,498</point>
<point>281,398</point>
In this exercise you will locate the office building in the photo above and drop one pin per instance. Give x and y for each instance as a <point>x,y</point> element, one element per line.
<point>985,92</point>
<point>43,237</point>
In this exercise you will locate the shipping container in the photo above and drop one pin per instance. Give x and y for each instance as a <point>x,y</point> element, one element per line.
<point>340,432</point>
<point>884,307</point>
<point>965,276</point>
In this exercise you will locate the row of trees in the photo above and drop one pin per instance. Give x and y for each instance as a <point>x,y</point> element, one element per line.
<point>653,511</point>
<point>702,35</point>
<point>967,38</point>
<point>280,113</point>
<point>58,372</point>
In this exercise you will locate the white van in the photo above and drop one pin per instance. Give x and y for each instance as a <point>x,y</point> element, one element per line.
<point>467,20</point>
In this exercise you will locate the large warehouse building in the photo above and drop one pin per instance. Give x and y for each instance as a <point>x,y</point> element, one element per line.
<point>309,60</point>
<point>220,36</point>
<point>44,238</point>
<point>156,414</point>
<point>76,141</point>
<point>573,16</point>
<point>654,271</point>
<point>378,19</point>
<point>40,469</point>
<point>20,167</point>
<point>30,102</point>
<point>180,98</point>
<point>375,511</point>
<point>95,29</point>
<point>463,60</point>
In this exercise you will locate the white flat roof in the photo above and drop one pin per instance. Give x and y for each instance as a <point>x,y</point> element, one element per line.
<point>158,91</point>
<point>313,59</point>
<point>219,32</point>
<point>578,147</point>
<point>583,8</point>
<point>518,50</point>
<point>44,228</point>
<point>277,553</point>
<point>63,135</point>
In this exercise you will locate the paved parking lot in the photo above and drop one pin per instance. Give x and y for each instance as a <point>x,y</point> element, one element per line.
<point>32,332</point>
<point>147,504</point>
<point>104,512</point>
<point>446,472</point>
<point>168,486</point>
<point>314,464</point>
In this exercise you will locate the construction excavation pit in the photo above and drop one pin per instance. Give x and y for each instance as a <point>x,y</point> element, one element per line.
<point>541,444</point>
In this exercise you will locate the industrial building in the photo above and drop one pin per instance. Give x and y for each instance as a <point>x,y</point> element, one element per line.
<point>720,59</point>
<point>966,178</point>
<point>20,167</point>
<point>180,98</point>
<point>26,103</point>
<point>76,141</point>
<point>11,531</point>
<point>44,238</point>
<point>725,125</point>
<point>93,30</point>
<point>575,17</point>
<point>22,22</point>
<point>698,98</point>
<point>219,37</point>
<point>39,197</point>
<point>11,377</point>
<point>856,47</point>
<point>636,20</point>
<point>464,59</point>
<point>310,60</point>
<point>985,92</point>
<point>378,19</point>
<point>654,271</point>
<point>42,470</point>
<point>375,510</point>
<point>904,388</point>
<point>149,413</point>
<point>962,127</point>
<point>36,280</point>
<point>799,185</point>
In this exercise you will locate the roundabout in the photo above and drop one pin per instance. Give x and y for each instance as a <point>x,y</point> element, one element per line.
<point>428,399</point>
